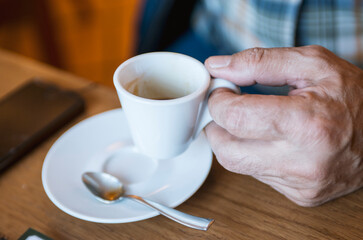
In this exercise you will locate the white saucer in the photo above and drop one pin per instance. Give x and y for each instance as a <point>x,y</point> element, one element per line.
<point>103,143</point>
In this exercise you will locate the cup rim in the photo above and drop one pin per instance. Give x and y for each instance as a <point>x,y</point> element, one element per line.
<point>185,98</point>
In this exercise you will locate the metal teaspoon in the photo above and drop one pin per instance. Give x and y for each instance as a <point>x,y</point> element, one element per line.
<point>108,188</point>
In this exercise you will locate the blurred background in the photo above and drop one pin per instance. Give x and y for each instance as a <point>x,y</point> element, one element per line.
<point>89,38</point>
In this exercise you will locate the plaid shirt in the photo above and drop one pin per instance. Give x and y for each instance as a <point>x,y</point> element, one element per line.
<point>235,25</point>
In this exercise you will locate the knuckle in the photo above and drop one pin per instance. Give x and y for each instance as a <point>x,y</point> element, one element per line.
<point>323,125</point>
<point>252,56</point>
<point>317,173</point>
<point>320,56</point>
<point>316,51</point>
<point>326,134</point>
<point>309,198</point>
<point>250,59</point>
<point>318,181</point>
<point>314,179</point>
<point>320,129</point>
<point>309,195</point>
<point>316,176</point>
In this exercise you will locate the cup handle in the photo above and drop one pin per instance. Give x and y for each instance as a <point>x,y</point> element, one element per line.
<point>204,116</point>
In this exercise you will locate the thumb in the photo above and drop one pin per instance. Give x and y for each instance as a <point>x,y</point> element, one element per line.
<point>268,66</point>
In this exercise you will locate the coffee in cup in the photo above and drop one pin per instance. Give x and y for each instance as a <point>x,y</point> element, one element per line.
<point>164,98</point>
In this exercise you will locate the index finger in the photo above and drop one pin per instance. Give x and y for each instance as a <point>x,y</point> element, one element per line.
<point>265,117</point>
<point>298,66</point>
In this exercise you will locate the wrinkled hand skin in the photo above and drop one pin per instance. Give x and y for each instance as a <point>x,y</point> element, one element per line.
<point>307,145</point>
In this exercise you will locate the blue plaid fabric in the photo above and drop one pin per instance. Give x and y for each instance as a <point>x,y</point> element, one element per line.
<point>235,25</point>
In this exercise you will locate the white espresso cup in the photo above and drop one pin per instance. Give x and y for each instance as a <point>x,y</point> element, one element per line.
<point>164,97</point>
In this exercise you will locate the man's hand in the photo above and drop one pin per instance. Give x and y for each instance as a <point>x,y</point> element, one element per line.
<point>308,145</point>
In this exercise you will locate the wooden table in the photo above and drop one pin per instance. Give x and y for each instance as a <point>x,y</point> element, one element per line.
<point>242,207</point>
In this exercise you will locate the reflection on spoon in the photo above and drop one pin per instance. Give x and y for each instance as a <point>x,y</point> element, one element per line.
<point>108,189</point>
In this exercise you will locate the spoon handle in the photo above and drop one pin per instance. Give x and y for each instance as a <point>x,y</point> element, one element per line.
<point>180,217</point>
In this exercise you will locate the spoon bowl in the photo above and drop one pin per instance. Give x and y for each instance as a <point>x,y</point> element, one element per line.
<point>104,186</point>
<point>109,189</point>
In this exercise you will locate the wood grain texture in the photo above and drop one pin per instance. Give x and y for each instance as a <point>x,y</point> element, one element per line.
<point>242,207</point>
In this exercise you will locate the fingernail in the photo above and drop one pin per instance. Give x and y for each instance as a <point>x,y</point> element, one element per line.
<point>219,61</point>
